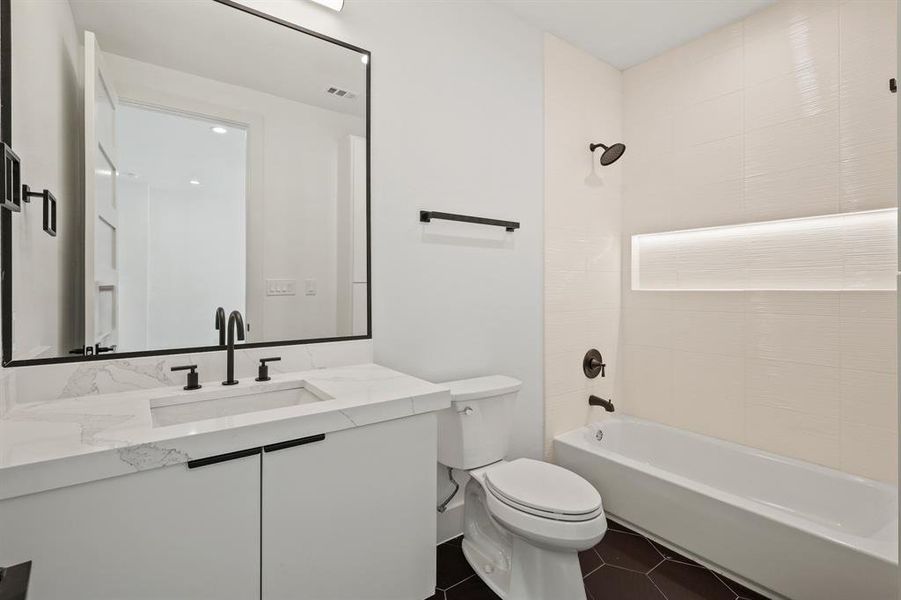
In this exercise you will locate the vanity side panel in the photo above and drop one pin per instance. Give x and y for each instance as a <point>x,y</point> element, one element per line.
<point>173,532</point>
<point>352,516</point>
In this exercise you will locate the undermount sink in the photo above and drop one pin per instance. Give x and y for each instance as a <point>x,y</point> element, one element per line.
<point>218,401</point>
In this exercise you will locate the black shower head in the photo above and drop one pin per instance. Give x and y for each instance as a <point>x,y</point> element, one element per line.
<point>611,153</point>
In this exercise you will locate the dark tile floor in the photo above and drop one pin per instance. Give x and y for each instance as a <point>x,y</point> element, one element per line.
<point>623,566</point>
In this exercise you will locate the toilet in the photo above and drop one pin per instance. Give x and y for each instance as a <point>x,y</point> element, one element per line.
<point>525,521</point>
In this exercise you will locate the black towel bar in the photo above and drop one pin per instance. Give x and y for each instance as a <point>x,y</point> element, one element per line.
<point>426,216</point>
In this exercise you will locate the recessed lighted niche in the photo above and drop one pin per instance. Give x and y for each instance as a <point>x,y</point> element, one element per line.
<point>848,251</point>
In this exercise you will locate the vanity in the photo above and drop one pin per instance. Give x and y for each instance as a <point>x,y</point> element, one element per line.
<point>188,404</point>
<point>148,494</point>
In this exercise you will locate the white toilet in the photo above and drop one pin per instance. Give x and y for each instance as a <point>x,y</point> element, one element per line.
<point>525,521</point>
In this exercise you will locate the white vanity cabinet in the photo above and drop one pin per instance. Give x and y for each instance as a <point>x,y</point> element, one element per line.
<point>171,532</point>
<point>342,515</point>
<point>352,516</point>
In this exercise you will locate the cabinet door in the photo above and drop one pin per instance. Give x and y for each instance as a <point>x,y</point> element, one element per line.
<point>352,516</point>
<point>171,533</point>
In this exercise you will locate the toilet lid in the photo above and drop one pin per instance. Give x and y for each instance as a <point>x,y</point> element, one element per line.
<point>544,489</point>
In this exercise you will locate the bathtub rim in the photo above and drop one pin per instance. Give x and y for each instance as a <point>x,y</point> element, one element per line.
<point>880,549</point>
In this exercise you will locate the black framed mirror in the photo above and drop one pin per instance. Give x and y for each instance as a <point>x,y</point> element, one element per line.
<point>201,157</point>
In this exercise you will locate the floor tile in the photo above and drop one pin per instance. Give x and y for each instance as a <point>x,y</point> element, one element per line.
<point>672,554</point>
<point>452,566</point>
<point>471,589</point>
<point>589,561</point>
<point>438,595</point>
<point>628,551</point>
<point>611,583</point>
<point>613,525</point>
<point>743,592</point>
<point>679,581</point>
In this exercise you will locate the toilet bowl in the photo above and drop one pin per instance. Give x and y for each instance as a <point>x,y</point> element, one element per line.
<point>525,521</point>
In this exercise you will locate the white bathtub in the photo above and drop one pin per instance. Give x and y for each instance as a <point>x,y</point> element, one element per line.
<point>790,528</point>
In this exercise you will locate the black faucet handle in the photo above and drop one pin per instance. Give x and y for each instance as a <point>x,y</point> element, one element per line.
<point>193,376</point>
<point>593,364</point>
<point>263,374</point>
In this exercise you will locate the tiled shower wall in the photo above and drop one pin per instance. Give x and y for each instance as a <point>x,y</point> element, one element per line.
<point>582,214</point>
<point>785,114</point>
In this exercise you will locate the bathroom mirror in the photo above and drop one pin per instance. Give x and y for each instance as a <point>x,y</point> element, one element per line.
<point>195,155</point>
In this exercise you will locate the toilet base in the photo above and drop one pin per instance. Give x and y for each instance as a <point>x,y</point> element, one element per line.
<point>533,574</point>
<point>513,567</point>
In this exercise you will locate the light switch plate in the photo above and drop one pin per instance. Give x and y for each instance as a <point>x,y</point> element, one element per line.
<point>281,287</point>
<point>310,287</point>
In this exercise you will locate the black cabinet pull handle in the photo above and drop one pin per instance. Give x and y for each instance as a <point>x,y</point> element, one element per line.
<point>292,443</point>
<point>212,460</point>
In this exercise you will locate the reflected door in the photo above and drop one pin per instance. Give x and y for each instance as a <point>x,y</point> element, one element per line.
<point>101,218</point>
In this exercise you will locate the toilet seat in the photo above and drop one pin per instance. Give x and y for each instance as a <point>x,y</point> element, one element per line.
<point>544,490</point>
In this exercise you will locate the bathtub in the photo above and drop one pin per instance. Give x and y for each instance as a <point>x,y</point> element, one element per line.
<point>787,528</point>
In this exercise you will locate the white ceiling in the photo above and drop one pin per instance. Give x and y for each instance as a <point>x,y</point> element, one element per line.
<point>218,42</point>
<point>625,33</point>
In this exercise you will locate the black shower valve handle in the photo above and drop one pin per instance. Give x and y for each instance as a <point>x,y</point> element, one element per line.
<point>593,364</point>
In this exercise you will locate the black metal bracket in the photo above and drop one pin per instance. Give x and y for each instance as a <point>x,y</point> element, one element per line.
<point>426,216</point>
<point>10,181</point>
<point>49,207</point>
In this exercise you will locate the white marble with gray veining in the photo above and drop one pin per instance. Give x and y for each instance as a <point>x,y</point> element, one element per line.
<point>75,379</point>
<point>54,443</point>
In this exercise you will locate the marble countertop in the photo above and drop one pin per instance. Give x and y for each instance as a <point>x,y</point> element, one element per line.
<point>52,444</point>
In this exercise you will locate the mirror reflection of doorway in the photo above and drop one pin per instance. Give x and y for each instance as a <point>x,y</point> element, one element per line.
<point>183,209</point>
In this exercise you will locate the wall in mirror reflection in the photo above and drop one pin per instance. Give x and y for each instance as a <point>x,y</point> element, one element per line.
<point>202,157</point>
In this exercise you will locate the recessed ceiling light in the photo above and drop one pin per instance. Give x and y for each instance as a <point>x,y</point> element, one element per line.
<point>194,182</point>
<point>335,5</point>
<point>364,58</point>
<point>219,129</point>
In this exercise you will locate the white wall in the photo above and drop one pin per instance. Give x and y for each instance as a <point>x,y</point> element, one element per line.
<point>192,237</point>
<point>784,114</point>
<point>292,232</point>
<point>47,124</point>
<point>133,260</point>
<point>456,126</point>
<point>582,212</point>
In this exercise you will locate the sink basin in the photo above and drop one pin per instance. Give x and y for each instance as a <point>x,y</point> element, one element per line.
<point>218,401</point>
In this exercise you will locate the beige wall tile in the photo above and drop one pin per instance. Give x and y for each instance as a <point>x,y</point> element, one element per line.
<point>809,389</point>
<point>780,116</point>
<point>870,399</point>
<point>814,438</point>
<point>708,394</point>
<point>870,452</point>
<point>583,217</point>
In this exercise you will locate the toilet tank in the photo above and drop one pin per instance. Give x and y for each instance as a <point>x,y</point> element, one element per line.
<point>475,430</point>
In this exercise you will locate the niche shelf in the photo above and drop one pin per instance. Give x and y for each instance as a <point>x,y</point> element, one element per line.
<point>845,251</point>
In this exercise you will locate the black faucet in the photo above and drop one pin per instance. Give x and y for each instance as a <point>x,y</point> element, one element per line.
<point>235,324</point>
<point>596,401</point>
<point>220,324</point>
